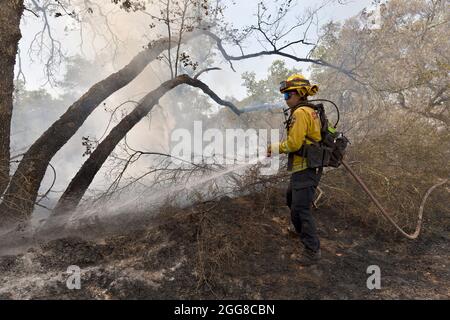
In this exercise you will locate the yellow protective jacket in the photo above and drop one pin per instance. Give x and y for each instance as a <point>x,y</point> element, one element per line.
<point>304,122</point>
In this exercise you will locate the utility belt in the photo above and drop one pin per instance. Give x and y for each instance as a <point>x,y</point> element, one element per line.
<point>315,157</point>
<point>316,154</point>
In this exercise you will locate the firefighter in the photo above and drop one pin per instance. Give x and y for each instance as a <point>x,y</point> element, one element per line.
<point>303,125</point>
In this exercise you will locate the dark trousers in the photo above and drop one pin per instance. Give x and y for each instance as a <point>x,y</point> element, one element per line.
<point>299,196</point>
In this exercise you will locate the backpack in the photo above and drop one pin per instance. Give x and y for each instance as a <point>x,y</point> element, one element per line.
<point>330,150</point>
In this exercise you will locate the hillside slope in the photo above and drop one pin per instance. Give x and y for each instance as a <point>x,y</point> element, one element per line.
<point>231,249</point>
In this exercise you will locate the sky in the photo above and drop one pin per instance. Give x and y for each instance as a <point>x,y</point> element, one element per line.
<point>225,83</point>
<point>231,83</point>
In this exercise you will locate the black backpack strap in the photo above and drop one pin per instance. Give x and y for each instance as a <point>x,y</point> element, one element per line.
<point>307,104</point>
<point>302,151</point>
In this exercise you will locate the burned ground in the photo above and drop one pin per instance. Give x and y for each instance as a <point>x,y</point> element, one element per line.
<point>232,248</point>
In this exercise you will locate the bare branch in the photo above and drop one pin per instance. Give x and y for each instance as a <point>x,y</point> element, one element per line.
<point>180,34</point>
<point>170,39</point>
<point>54,48</point>
<point>199,84</point>
<point>205,70</point>
<point>29,10</point>
<point>219,41</point>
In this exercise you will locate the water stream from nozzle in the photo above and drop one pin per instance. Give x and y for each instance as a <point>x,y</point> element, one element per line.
<point>189,185</point>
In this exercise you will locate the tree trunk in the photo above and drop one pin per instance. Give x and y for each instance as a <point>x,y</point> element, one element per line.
<point>10,15</point>
<point>22,192</point>
<point>80,183</point>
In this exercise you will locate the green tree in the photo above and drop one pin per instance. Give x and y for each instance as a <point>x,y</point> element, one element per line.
<point>402,63</point>
<point>267,90</point>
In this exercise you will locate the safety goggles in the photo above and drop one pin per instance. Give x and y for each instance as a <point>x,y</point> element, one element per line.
<point>288,94</point>
<point>289,84</point>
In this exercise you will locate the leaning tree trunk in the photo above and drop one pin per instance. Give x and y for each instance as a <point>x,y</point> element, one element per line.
<point>80,183</point>
<point>22,192</point>
<point>10,14</point>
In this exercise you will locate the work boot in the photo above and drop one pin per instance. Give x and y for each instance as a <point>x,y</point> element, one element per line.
<point>309,257</point>
<point>292,231</point>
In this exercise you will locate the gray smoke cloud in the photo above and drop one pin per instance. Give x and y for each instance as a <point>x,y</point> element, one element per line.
<point>117,36</point>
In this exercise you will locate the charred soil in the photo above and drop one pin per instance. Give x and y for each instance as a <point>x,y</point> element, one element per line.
<point>232,248</point>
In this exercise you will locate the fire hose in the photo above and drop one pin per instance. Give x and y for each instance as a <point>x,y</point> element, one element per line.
<point>383,211</point>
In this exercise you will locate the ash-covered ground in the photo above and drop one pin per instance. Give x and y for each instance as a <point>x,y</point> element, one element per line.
<point>229,248</point>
